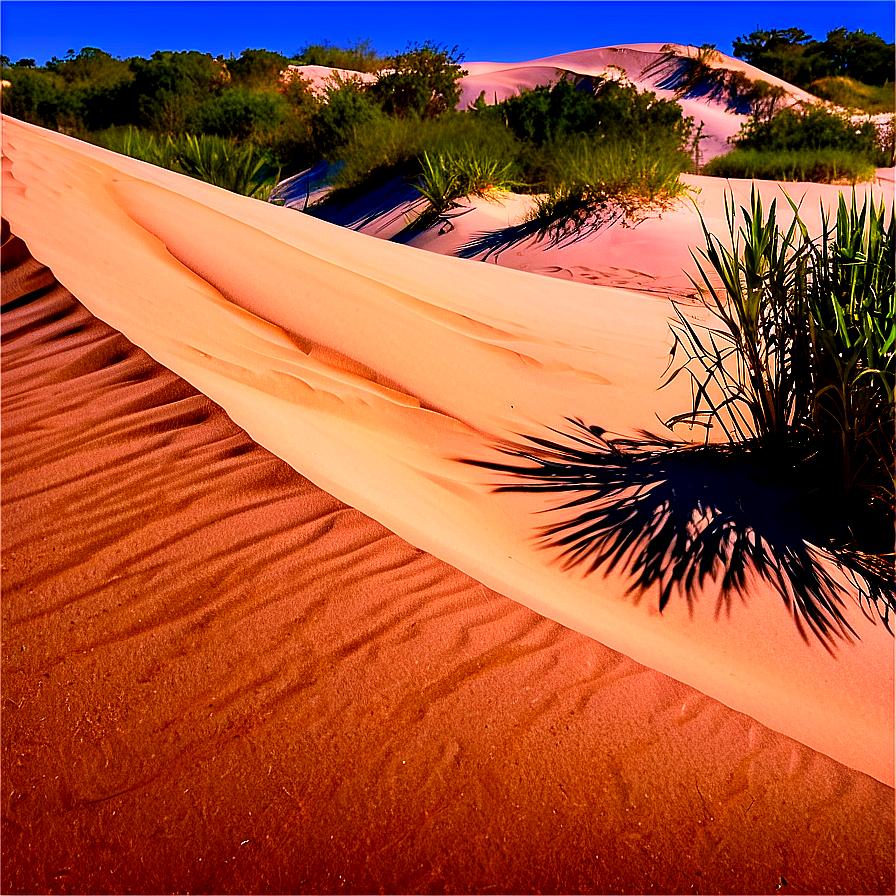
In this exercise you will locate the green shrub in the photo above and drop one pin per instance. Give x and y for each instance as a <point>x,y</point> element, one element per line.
<point>590,183</point>
<point>240,113</point>
<point>808,165</point>
<point>421,82</point>
<point>345,111</point>
<point>257,68</point>
<point>466,171</point>
<point>32,96</point>
<point>227,164</point>
<point>240,168</point>
<point>852,94</point>
<point>142,145</point>
<point>381,148</point>
<point>813,128</point>
<point>596,106</point>
<point>357,57</point>
<point>800,365</point>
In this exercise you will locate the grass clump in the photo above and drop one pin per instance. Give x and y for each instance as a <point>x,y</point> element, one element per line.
<point>239,167</point>
<point>799,366</point>
<point>465,171</point>
<point>852,94</point>
<point>591,183</point>
<point>825,166</point>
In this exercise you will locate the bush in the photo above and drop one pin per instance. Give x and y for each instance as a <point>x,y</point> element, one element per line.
<point>422,82</point>
<point>813,128</point>
<point>382,148</point>
<point>344,113</point>
<point>241,113</point>
<point>169,86</point>
<point>357,57</point>
<point>595,106</point>
<point>257,68</point>
<point>466,171</point>
<point>242,169</point>
<point>826,166</point>
<point>32,96</point>
<point>592,183</point>
<point>801,363</point>
<point>142,145</point>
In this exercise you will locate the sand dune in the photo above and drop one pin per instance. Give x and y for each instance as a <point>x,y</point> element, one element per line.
<point>218,678</point>
<point>499,80</point>
<point>372,369</point>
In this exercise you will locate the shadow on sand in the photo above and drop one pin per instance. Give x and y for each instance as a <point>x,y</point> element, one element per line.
<point>557,235</point>
<point>685,518</point>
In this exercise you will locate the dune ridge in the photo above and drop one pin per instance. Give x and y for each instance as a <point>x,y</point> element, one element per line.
<point>218,678</point>
<point>478,354</point>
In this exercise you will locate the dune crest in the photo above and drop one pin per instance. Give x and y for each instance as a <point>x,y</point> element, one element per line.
<point>373,369</point>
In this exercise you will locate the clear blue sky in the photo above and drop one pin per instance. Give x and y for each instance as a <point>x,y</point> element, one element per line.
<point>512,30</point>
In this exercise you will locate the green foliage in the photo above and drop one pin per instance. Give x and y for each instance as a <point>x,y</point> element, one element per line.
<point>227,164</point>
<point>357,57</point>
<point>826,166</point>
<point>382,147</point>
<point>794,56</point>
<point>851,94</point>
<point>142,145</point>
<point>256,68</point>
<point>853,340</point>
<point>240,112</point>
<point>422,82</point>
<point>169,86</point>
<point>32,96</point>
<point>800,360</point>
<point>592,183</point>
<point>468,170</point>
<point>346,110</point>
<point>240,168</point>
<point>90,66</point>
<point>812,128</point>
<point>597,106</point>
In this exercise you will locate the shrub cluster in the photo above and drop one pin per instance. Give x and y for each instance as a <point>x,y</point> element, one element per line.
<point>824,166</point>
<point>808,144</point>
<point>802,363</point>
<point>572,140</point>
<point>175,94</point>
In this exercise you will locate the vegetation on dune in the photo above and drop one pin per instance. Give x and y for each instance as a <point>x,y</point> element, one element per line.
<point>590,184</point>
<point>695,72</point>
<point>851,94</point>
<point>793,56</point>
<point>825,166</point>
<point>357,57</point>
<point>240,168</point>
<point>800,366</point>
<point>808,144</point>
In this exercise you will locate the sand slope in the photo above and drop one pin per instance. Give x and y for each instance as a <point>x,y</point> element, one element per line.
<point>217,678</point>
<point>371,368</point>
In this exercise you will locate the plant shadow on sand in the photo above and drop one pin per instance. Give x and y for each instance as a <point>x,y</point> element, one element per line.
<point>689,517</point>
<point>494,242</point>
